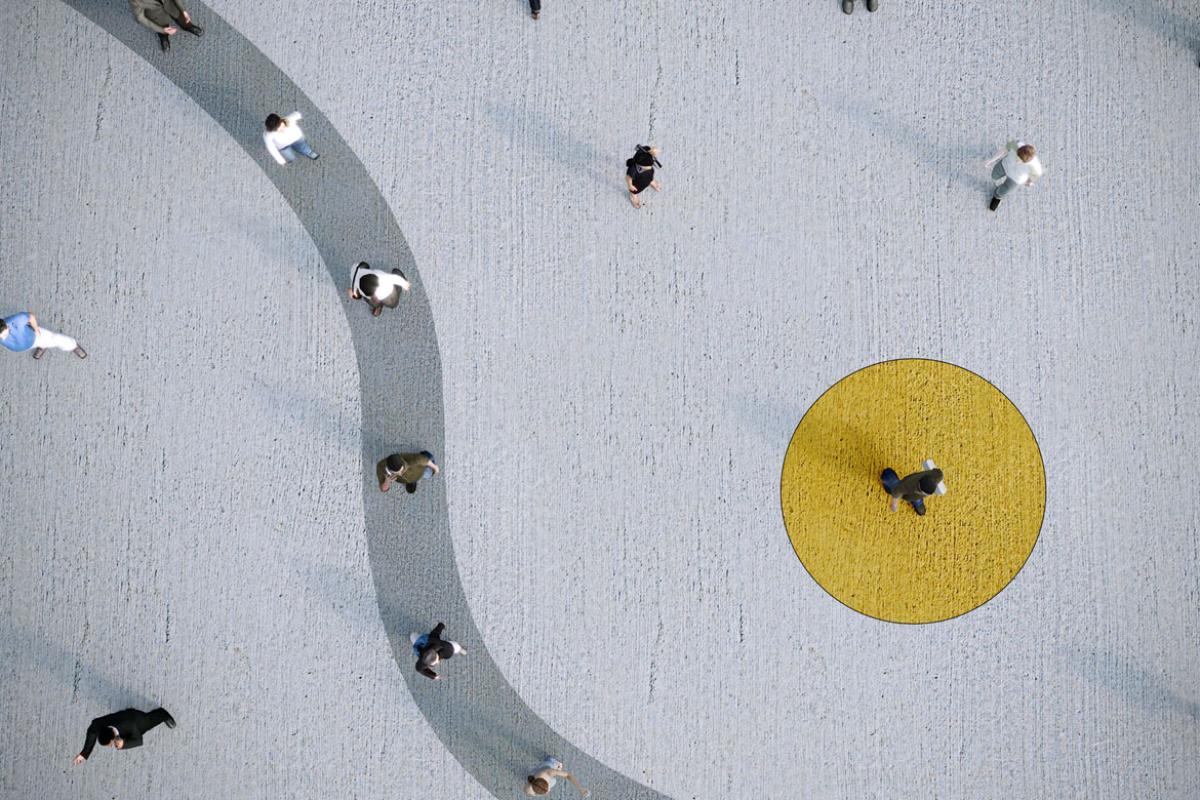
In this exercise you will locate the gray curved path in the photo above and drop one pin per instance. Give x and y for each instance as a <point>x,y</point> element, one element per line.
<point>478,715</point>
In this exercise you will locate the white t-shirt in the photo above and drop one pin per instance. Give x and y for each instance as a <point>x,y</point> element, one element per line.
<point>283,136</point>
<point>1021,171</point>
<point>388,282</point>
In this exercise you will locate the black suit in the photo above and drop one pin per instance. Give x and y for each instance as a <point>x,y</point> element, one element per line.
<point>130,725</point>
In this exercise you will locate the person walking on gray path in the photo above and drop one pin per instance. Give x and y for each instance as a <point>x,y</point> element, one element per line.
<point>848,6</point>
<point>21,333</point>
<point>122,730</point>
<point>535,8</point>
<point>915,487</point>
<point>547,775</point>
<point>407,468</point>
<point>430,649</point>
<point>284,138</point>
<point>1015,165</point>
<point>639,172</point>
<point>161,16</point>
<point>376,287</point>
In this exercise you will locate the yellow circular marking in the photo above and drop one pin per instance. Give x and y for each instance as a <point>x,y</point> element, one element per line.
<point>899,566</point>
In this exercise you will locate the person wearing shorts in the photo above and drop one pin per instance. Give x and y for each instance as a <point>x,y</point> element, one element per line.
<point>639,172</point>
<point>547,775</point>
<point>22,333</point>
<point>406,468</point>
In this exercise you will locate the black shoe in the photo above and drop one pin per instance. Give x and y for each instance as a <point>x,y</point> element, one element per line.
<point>38,352</point>
<point>994,204</point>
<point>164,42</point>
<point>169,722</point>
<point>193,29</point>
<point>79,351</point>
<point>411,488</point>
<point>315,156</point>
<point>872,5</point>
<point>536,14</point>
<point>847,6</point>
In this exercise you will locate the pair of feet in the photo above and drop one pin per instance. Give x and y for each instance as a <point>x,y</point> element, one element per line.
<point>38,352</point>
<point>164,39</point>
<point>848,6</point>
<point>994,204</point>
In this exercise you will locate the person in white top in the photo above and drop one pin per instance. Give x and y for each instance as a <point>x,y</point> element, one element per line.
<point>284,139</point>
<point>377,287</point>
<point>1015,165</point>
<point>547,775</point>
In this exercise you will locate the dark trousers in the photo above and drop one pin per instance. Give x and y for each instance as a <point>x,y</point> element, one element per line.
<point>155,718</point>
<point>890,479</point>
<point>535,5</point>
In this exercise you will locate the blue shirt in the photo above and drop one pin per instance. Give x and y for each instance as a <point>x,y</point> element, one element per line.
<point>20,333</point>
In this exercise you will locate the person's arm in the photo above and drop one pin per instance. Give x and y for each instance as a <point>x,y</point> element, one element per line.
<point>629,183</point>
<point>293,117</point>
<point>436,469</point>
<point>33,323</point>
<point>269,140</point>
<point>437,631</point>
<point>427,672</point>
<point>562,773</point>
<point>133,740</point>
<point>88,744</point>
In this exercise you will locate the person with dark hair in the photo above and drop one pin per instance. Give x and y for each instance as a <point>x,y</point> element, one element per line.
<point>535,8</point>
<point>377,287</point>
<point>547,775</point>
<point>284,138</point>
<point>913,488</point>
<point>1014,165</point>
<point>406,468</point>
<point>161,16</point>
<point>639,172</point>
<point>848,6</point>
<point>430,649</point>
<point>122,730</point>
<point>21,333</point>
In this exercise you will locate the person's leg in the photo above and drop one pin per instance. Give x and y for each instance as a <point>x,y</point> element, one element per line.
<point>164,42</point>
<point>872,5</point>
<point>49,340</point>
<point>155,718</point>
<point>456,649</point>
<point>535,8</point>
<point>182,17</point>
<point>411,488</point>
<point>1004,188</point>
<point>998,172</point>
<point>847,6</point>
<point>289,155</point>
<point>302,147</point>
<point>889,479</point>
<point>919,507</point>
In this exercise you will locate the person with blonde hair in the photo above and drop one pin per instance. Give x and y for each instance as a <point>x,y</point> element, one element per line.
<point>547,775</point>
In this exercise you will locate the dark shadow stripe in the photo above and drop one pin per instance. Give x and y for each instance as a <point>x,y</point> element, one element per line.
<point>478,716</point>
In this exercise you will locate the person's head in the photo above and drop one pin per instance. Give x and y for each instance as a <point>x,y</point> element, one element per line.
<point>929,482</point>
<point>368,284</point>
<point>110,737</point>
<point>274,121</point>
<point>3,329</point>
<point>1026,152</point>
<point>538,785</point>
<point>395,462</point>
<point>643,159</point>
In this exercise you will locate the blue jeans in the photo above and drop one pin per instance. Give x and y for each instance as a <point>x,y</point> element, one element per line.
<point>300,147</point>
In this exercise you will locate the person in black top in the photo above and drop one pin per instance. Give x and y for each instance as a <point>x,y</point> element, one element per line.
<point>535,8</point>
<point>122,730</point>
<point>639,172</point>
<point>431,648</point>
<point>912,489</point>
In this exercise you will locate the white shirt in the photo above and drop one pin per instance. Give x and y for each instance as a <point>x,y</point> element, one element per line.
<point>388,282</point>
<point>283,136</point>
<point>1021,171</point>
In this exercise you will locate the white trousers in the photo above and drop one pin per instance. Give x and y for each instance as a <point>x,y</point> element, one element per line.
<point>49,340</point>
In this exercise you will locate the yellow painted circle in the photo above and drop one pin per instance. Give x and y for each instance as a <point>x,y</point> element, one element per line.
<point>899,566</point>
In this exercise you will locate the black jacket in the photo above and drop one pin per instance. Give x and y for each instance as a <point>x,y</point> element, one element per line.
<point>130,725</point>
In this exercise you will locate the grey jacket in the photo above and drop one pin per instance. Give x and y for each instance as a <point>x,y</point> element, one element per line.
<point>158,15</point>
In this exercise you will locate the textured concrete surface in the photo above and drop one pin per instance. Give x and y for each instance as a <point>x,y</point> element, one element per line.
<point>185,512</point>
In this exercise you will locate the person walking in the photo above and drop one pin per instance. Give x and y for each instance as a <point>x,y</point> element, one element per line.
<point>915,487</point>
<point>639,172</point>
<point>547,775</point>
<point>162,16</point>
<point>431,649</point>
<point>122,730</point>
<point>1014,165</point>
<point>284,138</point>
<point>377,287</point>
<point>848,6</point>
<point>21,333</point>
<point>535,8</point>
<point>407,468</point>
